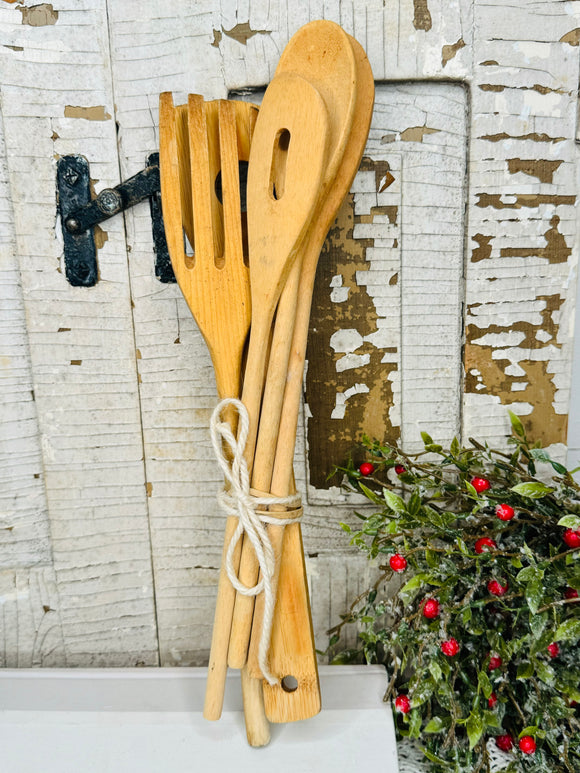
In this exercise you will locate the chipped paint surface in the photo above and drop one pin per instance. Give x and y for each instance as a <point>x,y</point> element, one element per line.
<point>519,293</point>
<point>542,168</point>
<point>511,361</point>
<point>362,313</point>
<point>348,325</point>
<point>131,526</point>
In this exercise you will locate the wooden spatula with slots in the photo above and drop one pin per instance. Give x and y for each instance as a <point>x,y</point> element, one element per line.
<point>197,143</point>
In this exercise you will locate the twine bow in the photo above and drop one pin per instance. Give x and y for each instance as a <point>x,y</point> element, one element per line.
<point>247,505</point>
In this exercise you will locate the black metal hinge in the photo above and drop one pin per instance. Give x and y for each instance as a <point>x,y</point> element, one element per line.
<point>79,213</point>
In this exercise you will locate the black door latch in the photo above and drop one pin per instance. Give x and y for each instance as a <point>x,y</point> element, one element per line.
<point>79,213</point>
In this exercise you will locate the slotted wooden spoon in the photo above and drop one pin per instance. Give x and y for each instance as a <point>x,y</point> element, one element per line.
<point>195,144</point>
<point>321,53</point>
<point>292,646</point>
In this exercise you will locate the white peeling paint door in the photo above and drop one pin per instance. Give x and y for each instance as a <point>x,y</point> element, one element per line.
<point>446,294</point>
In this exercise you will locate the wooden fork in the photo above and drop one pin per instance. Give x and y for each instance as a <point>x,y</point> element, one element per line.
<point>213,137</point>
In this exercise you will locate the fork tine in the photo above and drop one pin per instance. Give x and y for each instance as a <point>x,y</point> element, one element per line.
<point>201,181</point>
<point>245,120</point>
<point>184,169</point>
<point>230,181</point>
<point>217,212</point>
<point>170,186</point>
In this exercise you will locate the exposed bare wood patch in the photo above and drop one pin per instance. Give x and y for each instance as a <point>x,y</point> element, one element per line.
<point>422,18</point>
<point>217,37</point>
<point>94,113</point>
<point>241,32</point>
<point>416,133</point>
<point>489,63</point>
<point>100,237</point>
<point>498,87</point>
<point>572,37</point>
<point>484,250</point>
<point>40,15</point>
<point>342,324</point>
<point>517,201</point>
<point>540,168</point>
<point>411,134</point>
<point>518,376</point>
<point>13,48</point>
<point>448,52</point>
<point>491,87</point>
<point>555,251</point>
<point>532,136</point>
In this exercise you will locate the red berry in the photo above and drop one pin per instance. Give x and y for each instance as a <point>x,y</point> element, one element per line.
<point>431,609</point>
<point>504,742</point>
<point>480,484</point>
<point>572,538</point>
<point>504,512</point>
<point>492,700</point>
<point>574,704</point>
<point>553,649</point>
<point>494,662</point>
<point>570,593</point>
<point>399,469</point>
<point>398,563</point>
<point>402,704</point>
<point>496,588</point>
<point>484,545</point>
<point>527,744</point>
<point>450,647</point>
<point>366,468</point>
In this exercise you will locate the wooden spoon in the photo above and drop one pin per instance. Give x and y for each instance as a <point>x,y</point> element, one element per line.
<point>292,646</point>
<point>321,53</point>
<point>285,170</point>
<point>195,143</point>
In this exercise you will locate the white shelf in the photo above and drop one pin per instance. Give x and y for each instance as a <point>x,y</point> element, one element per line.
<point>149,721</point>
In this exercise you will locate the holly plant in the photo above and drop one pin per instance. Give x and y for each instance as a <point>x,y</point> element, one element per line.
<point>481,639</point>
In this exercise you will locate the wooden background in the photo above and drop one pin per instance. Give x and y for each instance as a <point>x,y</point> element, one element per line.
<point>445,295</point>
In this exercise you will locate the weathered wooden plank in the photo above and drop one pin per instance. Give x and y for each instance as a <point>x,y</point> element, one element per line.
<point>335,581</point>
<point>31,633</point>
<point>409,39</point>
<point>522,248</point>
<point>57,98</point>
<point>24,534</point>
<point>158,49</point>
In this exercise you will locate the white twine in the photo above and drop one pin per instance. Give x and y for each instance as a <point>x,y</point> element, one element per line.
<point>237,499</point>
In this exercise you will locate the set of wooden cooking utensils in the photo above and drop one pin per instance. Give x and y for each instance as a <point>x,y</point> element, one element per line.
<point>252,275</point>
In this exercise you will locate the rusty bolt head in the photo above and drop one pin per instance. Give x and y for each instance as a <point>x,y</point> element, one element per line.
<point>109,201</point>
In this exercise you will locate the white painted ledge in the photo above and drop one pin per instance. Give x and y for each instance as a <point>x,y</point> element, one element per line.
<point>149,720</point>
